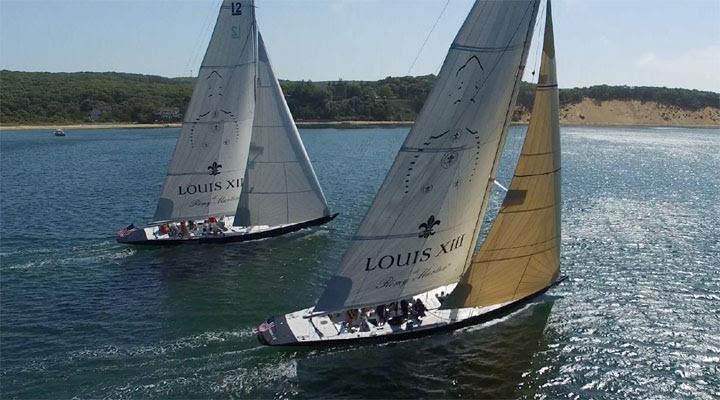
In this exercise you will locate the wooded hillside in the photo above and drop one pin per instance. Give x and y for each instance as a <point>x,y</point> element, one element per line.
<point>42,98</point>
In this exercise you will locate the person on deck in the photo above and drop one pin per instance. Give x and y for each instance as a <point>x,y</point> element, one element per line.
<point>351,317</point>
<point>404,305</point>
<point>222,224</point>
<point>380,312</point>
<point>441,297</point>
<point>164,229</point>
<point>419,308</point>
<point>392,310</point>
<point>184,232</point>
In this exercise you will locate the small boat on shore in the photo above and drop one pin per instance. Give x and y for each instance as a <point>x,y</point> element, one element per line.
<point>412,269</point>
<point>59,132</point>
<point>240,171</point>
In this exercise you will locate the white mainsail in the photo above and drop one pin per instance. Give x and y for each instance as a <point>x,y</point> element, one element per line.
<point>280,186</point>
<point>421,228</point>
<point>205,175</point>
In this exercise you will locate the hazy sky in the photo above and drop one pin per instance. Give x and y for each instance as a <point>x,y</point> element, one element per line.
<point>634,42</point>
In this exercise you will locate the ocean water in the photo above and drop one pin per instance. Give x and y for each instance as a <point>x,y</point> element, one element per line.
<point>81,316</point>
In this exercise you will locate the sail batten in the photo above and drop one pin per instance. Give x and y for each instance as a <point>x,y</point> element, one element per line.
<point>416,235</point>
<point>521,253</point>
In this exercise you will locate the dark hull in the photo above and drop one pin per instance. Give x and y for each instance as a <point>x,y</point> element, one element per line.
<point>396,337</point>
<point>238,238</point>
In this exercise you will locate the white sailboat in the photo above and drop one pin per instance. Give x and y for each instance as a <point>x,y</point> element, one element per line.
<point>240,171</point>
<point>410,270</point>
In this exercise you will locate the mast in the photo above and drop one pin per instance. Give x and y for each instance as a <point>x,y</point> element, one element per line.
<point>280,186</point>
<point>521,254</point>
<point>416,234</point>
<point>206,172</point>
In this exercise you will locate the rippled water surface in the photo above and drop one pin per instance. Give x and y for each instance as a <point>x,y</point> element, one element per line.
<point>83,316</point>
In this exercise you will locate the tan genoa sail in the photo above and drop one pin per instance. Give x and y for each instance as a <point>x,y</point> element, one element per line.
<point>521,254</point>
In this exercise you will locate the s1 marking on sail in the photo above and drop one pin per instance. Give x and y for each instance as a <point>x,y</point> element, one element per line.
<point>236,105</point>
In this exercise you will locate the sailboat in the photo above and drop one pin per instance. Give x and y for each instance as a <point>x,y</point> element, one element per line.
<point>411,269</point>
<point>240,171</point>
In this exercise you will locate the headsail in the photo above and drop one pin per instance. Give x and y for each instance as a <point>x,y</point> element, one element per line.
<point>521,254</point>
<point>280,186</point>
<point>205,174</point>
<point>420,229</point>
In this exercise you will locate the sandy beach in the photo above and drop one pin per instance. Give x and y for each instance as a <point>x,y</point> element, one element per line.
<point>572,116</point>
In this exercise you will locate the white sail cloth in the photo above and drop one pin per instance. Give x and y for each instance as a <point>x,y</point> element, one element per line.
<point>420,230</point>
<point>280,186</point>
<point>205,174</point>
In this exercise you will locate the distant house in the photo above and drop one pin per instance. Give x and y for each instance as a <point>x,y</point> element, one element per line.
<point>168,114</point>
<point>99,113</point>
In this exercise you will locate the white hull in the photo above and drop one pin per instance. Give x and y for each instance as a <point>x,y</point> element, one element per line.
<point>151,235</point>
<point>297,329</point>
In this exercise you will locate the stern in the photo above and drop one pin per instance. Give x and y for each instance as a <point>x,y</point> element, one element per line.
<point>275,331</point>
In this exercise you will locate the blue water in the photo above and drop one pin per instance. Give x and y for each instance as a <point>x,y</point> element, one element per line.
<point>81,316</point>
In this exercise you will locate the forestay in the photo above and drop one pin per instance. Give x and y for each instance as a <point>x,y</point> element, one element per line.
<point>420,228</point>
<point>521,254</point>
<point>205,174</point>
<point>280,186</point>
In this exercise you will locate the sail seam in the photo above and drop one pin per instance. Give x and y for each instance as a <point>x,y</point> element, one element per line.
<point>546,86</point>
<point>284,192</point>
<point>223,121</point>
<point>525,245</point>
<point>544,173</point>
<point>537,154</point>
<point>514,257</point>
<point>436,150</point>
<point>499,49</point>
<point>229,65</point>
<point>277,162</point>
<point>201,173</point>
<point>399,235</point>
<point>528,210</point>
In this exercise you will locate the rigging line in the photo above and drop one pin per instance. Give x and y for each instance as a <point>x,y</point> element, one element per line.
<point>428,36</point>
<point>197,48</point>
<point>539,37</point>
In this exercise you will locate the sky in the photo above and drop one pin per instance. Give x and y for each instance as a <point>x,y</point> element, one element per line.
<point>673,43</point>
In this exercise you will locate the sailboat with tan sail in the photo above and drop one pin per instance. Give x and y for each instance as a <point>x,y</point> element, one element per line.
<point>411,270</point>
<point>240,171</point>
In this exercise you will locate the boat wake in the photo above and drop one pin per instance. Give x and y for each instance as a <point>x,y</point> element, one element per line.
<point>53,257</point>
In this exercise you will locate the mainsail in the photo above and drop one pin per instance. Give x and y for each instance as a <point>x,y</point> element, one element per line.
<point>521,254</point>
<point>420,229</point>
<point>280,186</point>
<point>205,174</point>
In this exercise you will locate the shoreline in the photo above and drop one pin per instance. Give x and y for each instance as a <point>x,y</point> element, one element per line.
<point>327,124</point>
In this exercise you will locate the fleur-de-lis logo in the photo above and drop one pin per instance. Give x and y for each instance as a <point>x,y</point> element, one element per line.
<point>215,168</point>
<point>427,229</point>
